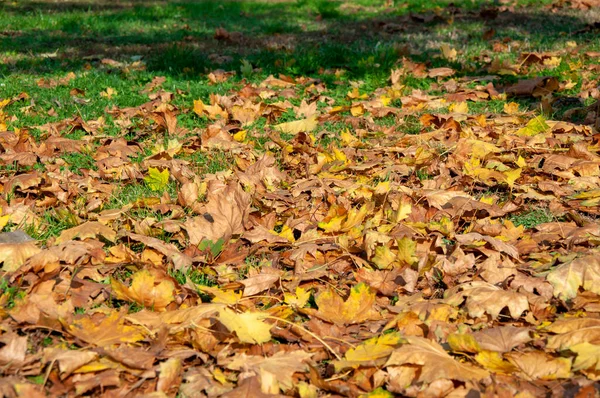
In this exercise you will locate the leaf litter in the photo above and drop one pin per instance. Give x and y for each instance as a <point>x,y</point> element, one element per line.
<point>382,262</point>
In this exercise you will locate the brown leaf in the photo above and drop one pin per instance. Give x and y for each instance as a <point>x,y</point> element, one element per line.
<point>502,338</point>
<point>434,361</point>
<point>282,366</point>
<point>225,215</point>
<point>90,229</point>
<point>108,331</point>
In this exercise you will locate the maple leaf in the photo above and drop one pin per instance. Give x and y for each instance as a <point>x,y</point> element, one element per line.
<point>157,180</point>
<point>372,352</point>
<point>539,365</point>
<point>109,331</point>
<point>568,277</point>
<point>145,290</point>
<point>224,215</point>
<point>356,309</point>
<point>482,298</point>
<point>90,229</point>
<point>298,126</point>
<point>434,361</point>
<point>281,366</point>
<point>248,326</point>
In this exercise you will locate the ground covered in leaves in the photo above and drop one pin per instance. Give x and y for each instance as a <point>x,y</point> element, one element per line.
<point>299,198</point>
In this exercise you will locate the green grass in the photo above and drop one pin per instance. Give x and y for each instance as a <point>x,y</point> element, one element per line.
<point>533,218</point>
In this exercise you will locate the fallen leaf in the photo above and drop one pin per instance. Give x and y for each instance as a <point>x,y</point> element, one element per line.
<point>248,326</point>
<point>435,363</point>
<point>145,290</point>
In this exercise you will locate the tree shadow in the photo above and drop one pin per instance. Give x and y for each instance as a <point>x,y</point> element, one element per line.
<point>295,37</point>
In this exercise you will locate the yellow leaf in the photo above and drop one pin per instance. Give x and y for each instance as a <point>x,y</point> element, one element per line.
<point>463,343</point>
<point>299,299</point>
<point>459,107</point>
<point>354,94</point>
<point>404,210</point>
<point>511,108</point>
<point>248,326</point>
<point>240,136</point>
<point>407,251</point>
<point>370,352</point>
<point>221,296</point>
<point>357,110</point>
<point>384,257</point>
<point>349,140</point>
<point>157,180</point>
<point>588,356</point>
<point>108,93</point>
<point>303,125</point>
<point>3,221</point>
<point>512,176</point>
<point>492,360</point>
<point>534,126</point>
<point>145,291</point>
<point>521,162</point>
<point>448,52</point>
<point>358,308</point>
<point>109,331</point>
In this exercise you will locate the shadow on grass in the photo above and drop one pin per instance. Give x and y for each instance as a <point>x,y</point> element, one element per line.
<point>293,37</point>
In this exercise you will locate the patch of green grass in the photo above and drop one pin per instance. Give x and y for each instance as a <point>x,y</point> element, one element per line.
<point>532,218</point>
<point>77,161</point>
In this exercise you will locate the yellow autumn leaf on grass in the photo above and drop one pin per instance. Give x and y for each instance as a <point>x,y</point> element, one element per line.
<point>108,93</point>
<point>356,309</point>
<point>459,107</point>
<point>448,52</point>
<point>145,290</point>
<point>157,180</point>
<point>295,127</point>
<point>248,326</point>
<point>511,108</point>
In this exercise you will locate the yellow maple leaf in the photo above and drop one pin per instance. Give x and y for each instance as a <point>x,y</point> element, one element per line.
<point>511,108</point>
<point>299,299</point>
<point>372,352</point>
<point>157,180</point>
<point>145,291</point>
<point>248,326</point>
<point>356,309</point>
<point>459,107</point>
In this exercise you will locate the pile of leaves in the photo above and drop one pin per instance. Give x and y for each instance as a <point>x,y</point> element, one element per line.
<point>445,253</point>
